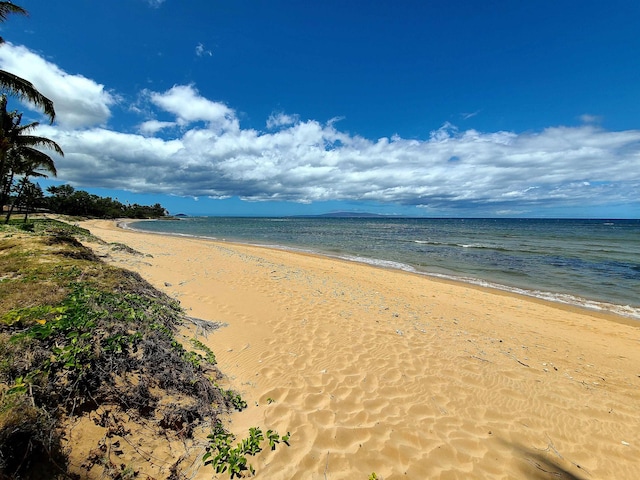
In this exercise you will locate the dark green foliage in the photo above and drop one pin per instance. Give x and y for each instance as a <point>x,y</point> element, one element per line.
<point>66,200</point>
<point>235,400</point>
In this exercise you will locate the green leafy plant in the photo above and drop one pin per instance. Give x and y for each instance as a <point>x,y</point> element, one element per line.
<point>225,458</point>
<point>39,314</point>
<point>236,400</point>
<point>119,343</point>
<point>209,355</point>
<point>251,444</point>
<point>274,438</point>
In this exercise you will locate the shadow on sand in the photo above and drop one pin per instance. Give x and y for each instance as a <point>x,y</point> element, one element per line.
<point>540,464</point>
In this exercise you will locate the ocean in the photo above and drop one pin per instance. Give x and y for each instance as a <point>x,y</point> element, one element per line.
<point>589,263</point>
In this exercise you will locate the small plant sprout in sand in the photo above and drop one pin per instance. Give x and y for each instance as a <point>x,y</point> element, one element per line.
<point>225,458</point>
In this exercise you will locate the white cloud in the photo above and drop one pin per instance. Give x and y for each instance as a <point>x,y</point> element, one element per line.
<point>151,127</point>
<point>588,118</point>
<point>467,115</point>
<point>188,106</point>
<point>102,157</point>
<point>307,161</point>
<point>203,52</point>
<point>334,120</point>
<point>277,120</point>
<point>446,131</point>
<point>79,101</point>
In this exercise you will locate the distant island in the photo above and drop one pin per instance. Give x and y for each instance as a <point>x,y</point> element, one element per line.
<point>320,215</point>
<point>346,215</point>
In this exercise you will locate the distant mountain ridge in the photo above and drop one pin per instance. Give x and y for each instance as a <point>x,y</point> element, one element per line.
<point>345,215</point>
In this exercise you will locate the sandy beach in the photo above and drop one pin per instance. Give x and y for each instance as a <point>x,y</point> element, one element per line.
<point>376,370</point>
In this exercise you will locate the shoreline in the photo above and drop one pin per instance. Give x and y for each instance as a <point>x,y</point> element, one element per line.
<point>379,370</point>
<point>614,312</point>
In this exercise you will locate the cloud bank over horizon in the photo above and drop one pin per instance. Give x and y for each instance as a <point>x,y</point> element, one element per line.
<point>187,145</point>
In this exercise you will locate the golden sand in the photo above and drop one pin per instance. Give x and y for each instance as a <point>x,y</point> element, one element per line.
<point>375,370</point>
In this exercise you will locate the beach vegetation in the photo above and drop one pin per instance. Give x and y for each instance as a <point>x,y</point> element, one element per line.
<point>209,355</point>
<point>224,457</point>
<point>274,438</point>
<point>78,338</point>
<point>235,400</point>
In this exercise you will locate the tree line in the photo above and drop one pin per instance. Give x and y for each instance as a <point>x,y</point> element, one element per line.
<point>66,200</point>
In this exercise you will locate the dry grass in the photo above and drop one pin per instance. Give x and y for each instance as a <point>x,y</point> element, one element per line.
<point>81,338</point>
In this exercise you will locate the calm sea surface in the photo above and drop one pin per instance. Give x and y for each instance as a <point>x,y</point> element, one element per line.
<point>593,263</point>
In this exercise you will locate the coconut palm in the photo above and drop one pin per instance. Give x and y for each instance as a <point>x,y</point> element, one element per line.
<point>17,86</point>
<point>25,192</point>
<point>27,162</point>
<point>19,152</point>
<point>31,196</point>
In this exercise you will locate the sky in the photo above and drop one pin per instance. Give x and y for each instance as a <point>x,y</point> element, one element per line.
<point>464,108</point>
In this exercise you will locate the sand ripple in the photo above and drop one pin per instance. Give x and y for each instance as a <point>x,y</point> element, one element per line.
<point>387,372</point>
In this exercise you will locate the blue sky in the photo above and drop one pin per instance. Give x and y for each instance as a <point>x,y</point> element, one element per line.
<point>238,107</point>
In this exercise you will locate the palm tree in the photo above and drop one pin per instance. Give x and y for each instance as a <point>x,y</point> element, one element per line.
<point>27,162</point>
<point>25,192</point>
<point>31,196</point>
<point>17,86</point>
<point>19,154</point>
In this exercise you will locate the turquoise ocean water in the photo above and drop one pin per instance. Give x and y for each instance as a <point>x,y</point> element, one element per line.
<point>590,263</point>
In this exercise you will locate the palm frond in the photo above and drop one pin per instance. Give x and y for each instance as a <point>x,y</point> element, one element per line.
<point>32,160</point>
<point>8,8</point>
<point>24,90</point>
<point>25,141</point>
<point>20,129</point>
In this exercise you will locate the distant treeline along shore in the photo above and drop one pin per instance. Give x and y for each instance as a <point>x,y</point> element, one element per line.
<point>66,200</point>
